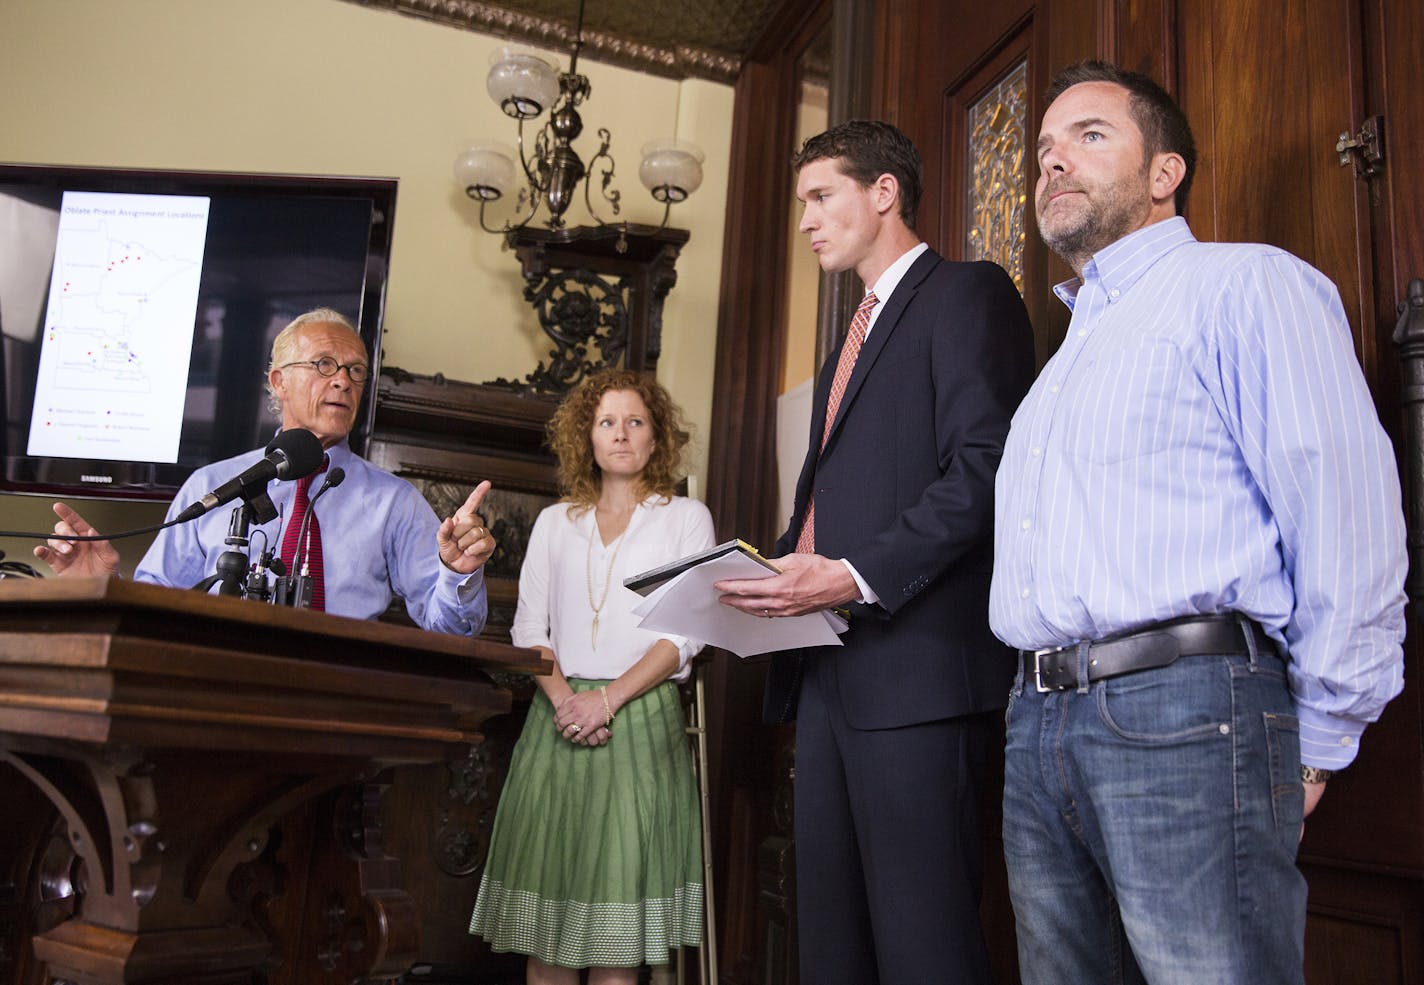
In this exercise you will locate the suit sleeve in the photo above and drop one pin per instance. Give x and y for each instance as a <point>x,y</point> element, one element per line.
<point>982,362</point>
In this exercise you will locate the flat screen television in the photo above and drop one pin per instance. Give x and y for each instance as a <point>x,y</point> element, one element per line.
<point>138,308</point>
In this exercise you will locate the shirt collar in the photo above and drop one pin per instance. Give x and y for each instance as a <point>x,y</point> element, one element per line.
<point>1121,264</point>
<point>340,453</point>
<point>890,279</point>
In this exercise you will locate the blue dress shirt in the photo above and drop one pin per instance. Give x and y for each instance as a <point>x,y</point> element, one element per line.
<point>1204,442</point>
<point>377,538</point>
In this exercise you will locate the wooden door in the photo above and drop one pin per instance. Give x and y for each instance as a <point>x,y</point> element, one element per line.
<point>1269,86</point>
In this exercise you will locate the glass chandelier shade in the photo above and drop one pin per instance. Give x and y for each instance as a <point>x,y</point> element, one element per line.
<point>671,169</point>
<point>486,170</point>
<point>521,83</point>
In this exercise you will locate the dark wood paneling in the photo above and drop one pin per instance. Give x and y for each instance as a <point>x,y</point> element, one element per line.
<point>1363,930</point>
<point>1266,117</point>
<point>742,479</point>
<point>741,470</point>
<point>1268,86</point>
<point>933,59</point>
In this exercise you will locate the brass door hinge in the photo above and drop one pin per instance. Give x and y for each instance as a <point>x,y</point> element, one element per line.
<point>1366,147</point>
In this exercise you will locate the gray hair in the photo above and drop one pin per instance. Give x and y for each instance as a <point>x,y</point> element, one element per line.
<point>284,346</point>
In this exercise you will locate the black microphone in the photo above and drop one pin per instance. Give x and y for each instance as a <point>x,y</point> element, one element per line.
<point>293,454</point>
<point>301,568</point>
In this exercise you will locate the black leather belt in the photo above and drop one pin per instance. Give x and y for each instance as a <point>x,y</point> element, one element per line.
<point>1158,645</point>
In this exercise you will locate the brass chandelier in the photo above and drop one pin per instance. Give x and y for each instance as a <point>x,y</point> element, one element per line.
<point>525,85</point>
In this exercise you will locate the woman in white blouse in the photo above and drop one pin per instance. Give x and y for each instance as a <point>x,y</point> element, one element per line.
<point>595,860</point>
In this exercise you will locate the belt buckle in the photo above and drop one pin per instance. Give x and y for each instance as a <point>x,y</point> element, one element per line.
<point>1038,669</point>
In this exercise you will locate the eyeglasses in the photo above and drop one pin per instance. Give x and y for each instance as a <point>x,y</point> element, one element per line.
<point>358,373</point>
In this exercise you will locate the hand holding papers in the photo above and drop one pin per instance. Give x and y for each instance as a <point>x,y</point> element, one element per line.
<point>650,581</point>
<point>688,606</point>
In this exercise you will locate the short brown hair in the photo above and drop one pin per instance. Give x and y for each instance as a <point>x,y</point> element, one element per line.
<point>571,428</point>
<point>1163,124</point>
<point>866,149</point>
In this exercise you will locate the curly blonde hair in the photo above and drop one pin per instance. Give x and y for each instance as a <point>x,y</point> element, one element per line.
<point>571,428</point>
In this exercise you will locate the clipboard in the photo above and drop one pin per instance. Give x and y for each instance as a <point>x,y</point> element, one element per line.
<point>648,581</point>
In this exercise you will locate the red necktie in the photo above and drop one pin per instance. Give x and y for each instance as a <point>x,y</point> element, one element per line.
<point>806,543</point>
<point>312,554</point>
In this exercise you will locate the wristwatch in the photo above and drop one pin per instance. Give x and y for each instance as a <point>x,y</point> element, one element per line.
<point>1314,774</point>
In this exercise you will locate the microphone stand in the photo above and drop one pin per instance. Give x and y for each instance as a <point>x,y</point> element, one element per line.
<point>231,574</point>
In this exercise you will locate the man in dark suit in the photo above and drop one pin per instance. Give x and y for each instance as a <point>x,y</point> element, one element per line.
<point>893,519</point>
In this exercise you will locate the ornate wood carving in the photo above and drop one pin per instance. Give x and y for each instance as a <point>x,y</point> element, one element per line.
<point>445,436</point>
<point>466,813</point>
<point>598,292</point>
<point>705,46</point>
<point>172,766</point>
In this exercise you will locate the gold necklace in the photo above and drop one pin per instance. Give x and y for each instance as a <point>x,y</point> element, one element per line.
<point>608,575</point>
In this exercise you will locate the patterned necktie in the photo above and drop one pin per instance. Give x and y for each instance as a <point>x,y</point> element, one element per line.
<point>301,504</point>
<point>806,543</point>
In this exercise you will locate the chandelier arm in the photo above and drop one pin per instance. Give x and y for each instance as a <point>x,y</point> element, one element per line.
<point>509,226</point>
<point>614,197</point>
<point>531,174</point>
<point>667,213</point>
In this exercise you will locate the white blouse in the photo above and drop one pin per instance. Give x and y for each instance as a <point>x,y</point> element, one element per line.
<point>567,565</point>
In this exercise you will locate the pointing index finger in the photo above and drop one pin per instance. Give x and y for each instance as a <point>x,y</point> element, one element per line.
<point>472,503</point>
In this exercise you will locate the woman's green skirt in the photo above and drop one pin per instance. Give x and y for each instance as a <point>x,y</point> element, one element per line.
<point>596,855</point>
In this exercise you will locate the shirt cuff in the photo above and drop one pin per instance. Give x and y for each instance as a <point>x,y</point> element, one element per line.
<point>461,588</point>
<point>521,637</point>
<point>867,594</point>
<point>1327,742</point>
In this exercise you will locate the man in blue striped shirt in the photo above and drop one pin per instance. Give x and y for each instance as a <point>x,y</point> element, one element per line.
<point>1199,550</point>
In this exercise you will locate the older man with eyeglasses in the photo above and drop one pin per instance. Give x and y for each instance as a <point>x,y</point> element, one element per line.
<point>376,535</point>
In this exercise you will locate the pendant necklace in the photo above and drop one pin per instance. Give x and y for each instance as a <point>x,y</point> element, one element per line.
<point>608,575</point>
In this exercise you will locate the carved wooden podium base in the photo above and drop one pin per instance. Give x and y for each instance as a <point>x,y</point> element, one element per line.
<point>215,769</point>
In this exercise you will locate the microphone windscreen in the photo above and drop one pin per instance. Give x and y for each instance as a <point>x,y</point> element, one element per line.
<point>303,451</point>
<point>335,477</point>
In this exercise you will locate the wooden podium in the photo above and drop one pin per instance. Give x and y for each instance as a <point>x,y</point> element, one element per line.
<point>189,784</point>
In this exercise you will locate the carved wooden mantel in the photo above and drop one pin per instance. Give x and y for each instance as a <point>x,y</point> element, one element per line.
<point>173,731</point>
<point>598,293</point>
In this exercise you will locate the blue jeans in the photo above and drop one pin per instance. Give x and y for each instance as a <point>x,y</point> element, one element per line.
<point>1151,823</point>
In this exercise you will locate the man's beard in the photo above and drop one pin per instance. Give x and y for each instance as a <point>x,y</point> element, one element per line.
<point>1112,211</point>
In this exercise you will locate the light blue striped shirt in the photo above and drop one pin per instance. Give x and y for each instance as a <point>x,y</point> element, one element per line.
<point>1204,442</point>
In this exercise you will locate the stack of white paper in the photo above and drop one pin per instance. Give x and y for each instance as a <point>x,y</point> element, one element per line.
<point>687,606</point>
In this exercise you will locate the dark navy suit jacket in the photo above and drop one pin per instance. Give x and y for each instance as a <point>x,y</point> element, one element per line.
<point>905,492</point>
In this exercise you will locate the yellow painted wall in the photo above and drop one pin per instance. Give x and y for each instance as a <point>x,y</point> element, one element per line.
<point>331,87</point>
<point>803,269</point>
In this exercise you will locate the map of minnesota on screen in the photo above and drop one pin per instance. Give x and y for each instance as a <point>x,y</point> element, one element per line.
<point>118,331</point>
